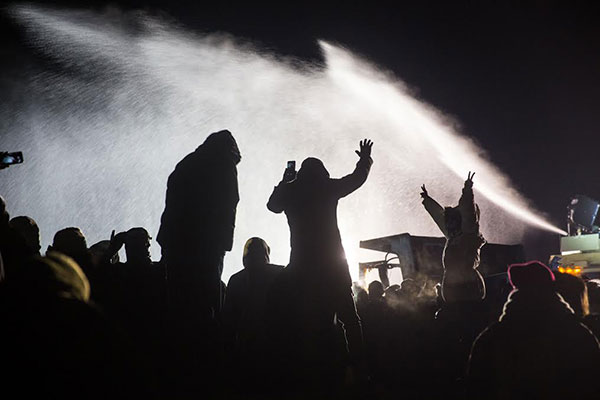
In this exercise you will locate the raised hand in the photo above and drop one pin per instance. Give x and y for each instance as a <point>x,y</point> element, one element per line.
<point>365,148</point>
<point>469,181</point>
<point>424,193</point>
<point>117,241</point>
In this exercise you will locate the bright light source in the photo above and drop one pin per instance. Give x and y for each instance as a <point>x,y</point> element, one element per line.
<point>569,252</point>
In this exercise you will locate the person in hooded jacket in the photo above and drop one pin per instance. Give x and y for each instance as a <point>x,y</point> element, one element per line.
<point>538,349</point>
<point>317,259</point>
<point>196,231</point>
<point>198,222</point>
<point>245,316</point>
<point>244,311</point>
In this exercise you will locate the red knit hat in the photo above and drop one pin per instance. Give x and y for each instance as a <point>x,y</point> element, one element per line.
<point>530,275</point>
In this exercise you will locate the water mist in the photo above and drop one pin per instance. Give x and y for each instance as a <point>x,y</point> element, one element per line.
<point>129,97</point>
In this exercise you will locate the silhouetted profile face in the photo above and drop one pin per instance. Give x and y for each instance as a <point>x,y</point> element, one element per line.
<point>453,221</point>
<point>29,231</point>
<point>375,290</point>
<point>70,241</point>
<point>137,245</point>
<point>223,144</point>
<point>312,169</point>
<point>256,253</point>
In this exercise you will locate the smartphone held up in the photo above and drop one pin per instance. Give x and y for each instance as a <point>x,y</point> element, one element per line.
<point>290,172</point>
<point>7,159</point>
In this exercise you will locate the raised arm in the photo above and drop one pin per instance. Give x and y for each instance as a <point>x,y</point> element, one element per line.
<point>116,242</point>
<point>349,183</point>
<point>468,209</point>
<point>277,201</point>
<point>435,210</point>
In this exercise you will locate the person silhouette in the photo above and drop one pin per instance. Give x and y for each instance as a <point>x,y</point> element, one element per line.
<point>317,256</point>
<point>196,231</point>
<point>460,225</point>
<point>536,342</point>
<point>198,222</point>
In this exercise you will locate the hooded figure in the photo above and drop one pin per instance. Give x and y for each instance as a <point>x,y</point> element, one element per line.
<point>538,349</point>
<point>245,313</point>
<point>246,300</point>
<point>198,222</point>
<point>460,226</point>
<point>310,204</point>
<point>317,260</point>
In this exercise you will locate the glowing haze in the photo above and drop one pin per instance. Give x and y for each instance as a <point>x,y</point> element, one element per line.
<point>130,96</point>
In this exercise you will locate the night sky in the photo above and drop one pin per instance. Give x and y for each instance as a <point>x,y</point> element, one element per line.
<point>522,80</point>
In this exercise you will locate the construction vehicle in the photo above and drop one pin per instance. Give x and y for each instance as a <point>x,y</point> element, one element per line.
<point>580,249</point>
<point>420,257</point>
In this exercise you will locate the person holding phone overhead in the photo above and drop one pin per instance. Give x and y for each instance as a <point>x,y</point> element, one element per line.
<point>317,258</point>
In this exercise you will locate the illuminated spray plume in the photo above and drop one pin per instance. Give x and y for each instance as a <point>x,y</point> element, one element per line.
<point>128,96</point>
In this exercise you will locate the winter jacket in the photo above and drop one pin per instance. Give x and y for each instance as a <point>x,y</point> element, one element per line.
<point>202,196</point>
<point>461,254</point>
<point>311,209</point>
<point>537,350</point>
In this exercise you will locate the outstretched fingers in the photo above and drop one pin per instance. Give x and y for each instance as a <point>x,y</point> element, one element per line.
<point>365,148</point>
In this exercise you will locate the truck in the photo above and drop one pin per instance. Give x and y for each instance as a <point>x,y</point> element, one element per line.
<point>580,249</point>
<point>420,257</point>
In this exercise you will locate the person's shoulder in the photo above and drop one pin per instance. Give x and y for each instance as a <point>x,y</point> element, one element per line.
<point>237,276</point>
<point>273,268</point>
<point>488,336</point>
<point>187,161</point>
<point>585,332</point>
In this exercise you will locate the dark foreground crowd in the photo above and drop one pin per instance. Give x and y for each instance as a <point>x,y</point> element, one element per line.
<point>80,323</point>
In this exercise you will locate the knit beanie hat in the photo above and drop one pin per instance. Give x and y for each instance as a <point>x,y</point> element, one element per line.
<point>532,275</point>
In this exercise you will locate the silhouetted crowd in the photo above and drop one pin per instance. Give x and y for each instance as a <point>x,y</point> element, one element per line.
<point>78,322</point>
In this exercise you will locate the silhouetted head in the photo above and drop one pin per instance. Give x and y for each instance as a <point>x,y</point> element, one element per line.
<point>312,169</point>
<point>356,288</point>
<point>574,291</point>
<point>29,231</point>
<point>55,275</point>
<point>70,241</point>
<point>362,297</point>
<point>256,253</point>
<point>531,276</point>
<point>410,288</point>
<point>221,144</point>
<point>375,290</point>
<point>137,245</point>
<point>453,221</point>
